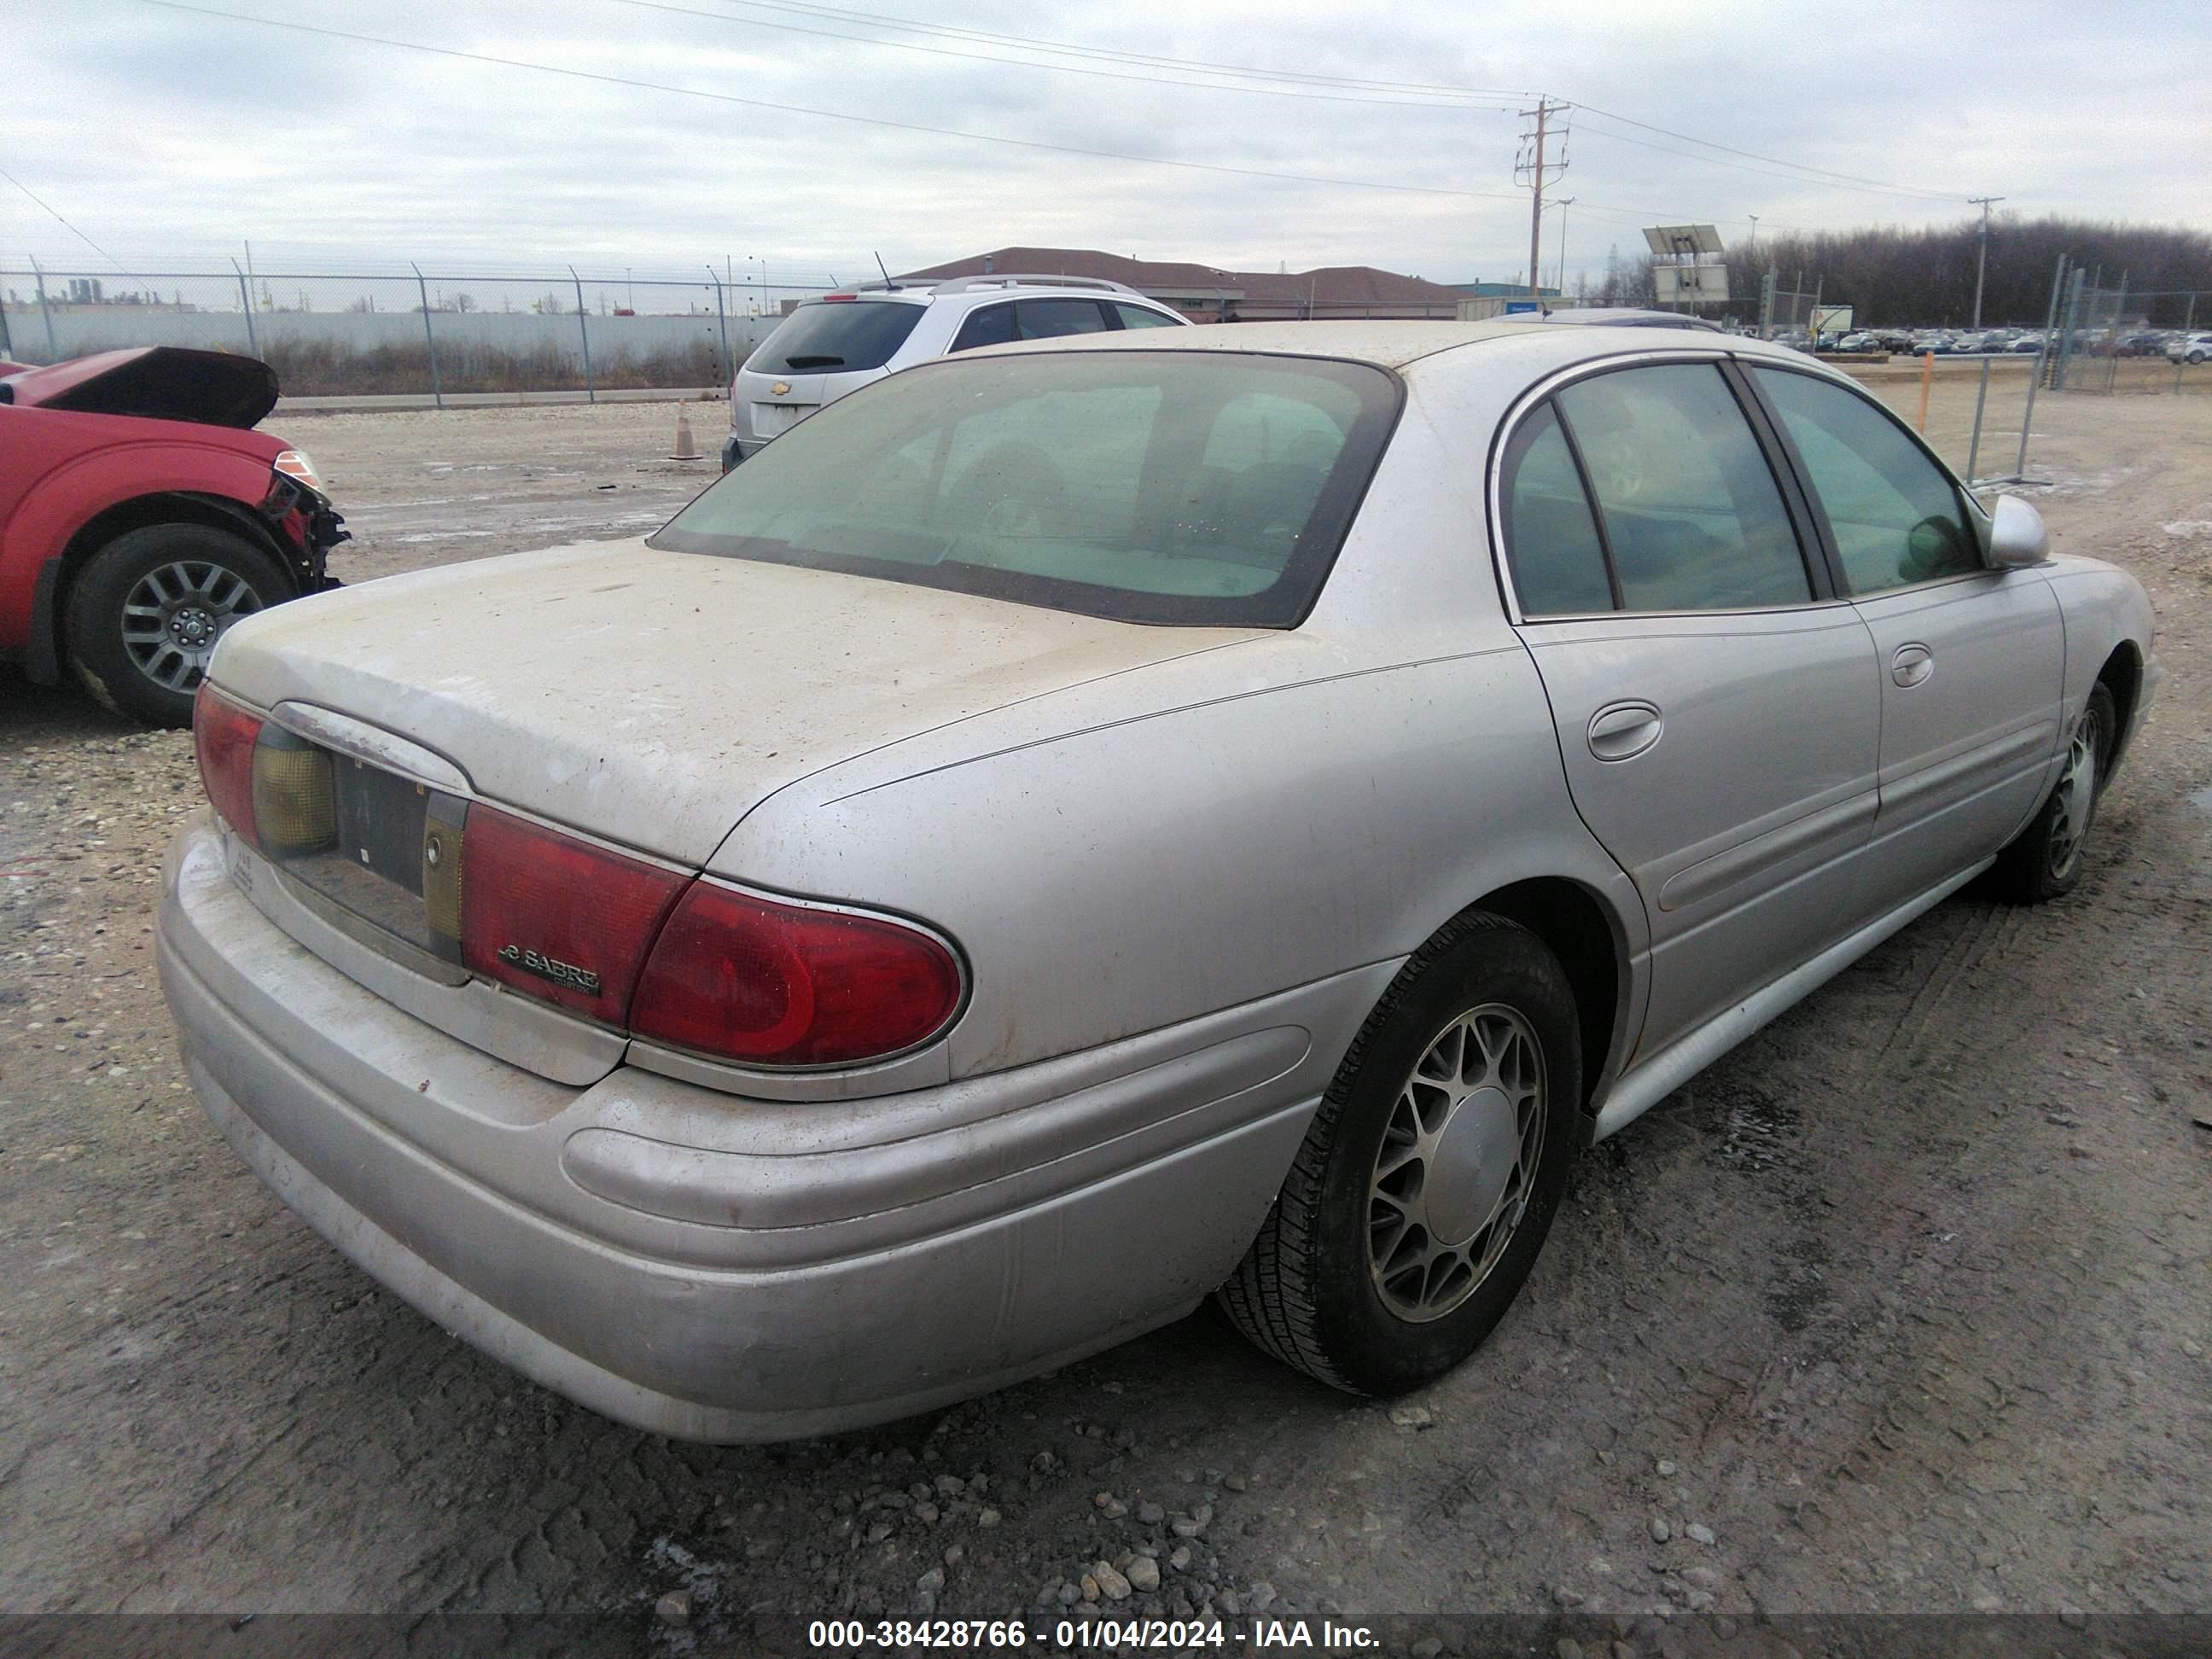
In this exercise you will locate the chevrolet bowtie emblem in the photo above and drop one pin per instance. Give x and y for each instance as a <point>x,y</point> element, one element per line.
<point>781,387</point>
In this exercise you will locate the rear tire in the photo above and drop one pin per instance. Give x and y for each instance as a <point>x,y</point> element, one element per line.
<point>1415,1209</point>
<point>145,613</point>
<point>2045,859</point>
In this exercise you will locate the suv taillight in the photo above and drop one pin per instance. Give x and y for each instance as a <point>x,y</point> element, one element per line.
<point>765,983</point>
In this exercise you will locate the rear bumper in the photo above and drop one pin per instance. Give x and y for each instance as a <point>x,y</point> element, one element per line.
<point>736,449</point>
<point>719,1268</point>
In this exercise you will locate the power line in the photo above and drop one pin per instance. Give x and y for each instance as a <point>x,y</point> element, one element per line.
<point>1846,178</point>
<point>1277,91</point>
<point>1070,49</point>
<point>1436,89</point>
<point>825,114</point>
<point>71,229</point>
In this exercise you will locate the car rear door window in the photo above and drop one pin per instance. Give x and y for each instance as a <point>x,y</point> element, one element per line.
<point>836,337</point>
<point>1551,536</point>
<point>1140,317</point>
<point>1895,518</point>
<point>991,325</point>
<point>1690,509</point>
<point>1046,319</point>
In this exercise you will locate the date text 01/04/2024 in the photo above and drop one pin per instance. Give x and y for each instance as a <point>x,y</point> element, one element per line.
<point>1097,1634</point>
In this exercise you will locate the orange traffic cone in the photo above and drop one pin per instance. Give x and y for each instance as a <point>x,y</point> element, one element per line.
<point>685,449</point>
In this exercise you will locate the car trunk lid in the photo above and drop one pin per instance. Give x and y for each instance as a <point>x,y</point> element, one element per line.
<point>652,698</point>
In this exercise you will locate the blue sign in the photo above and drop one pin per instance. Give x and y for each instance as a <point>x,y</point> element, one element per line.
<point>1515,307</point>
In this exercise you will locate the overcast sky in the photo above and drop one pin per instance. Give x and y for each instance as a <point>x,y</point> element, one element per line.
<point>165,135</point>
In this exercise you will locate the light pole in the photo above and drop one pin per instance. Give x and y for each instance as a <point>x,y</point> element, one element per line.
<point>1563,204</point>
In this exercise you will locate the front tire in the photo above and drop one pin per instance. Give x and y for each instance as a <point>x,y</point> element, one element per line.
<point>2045,859</point>
<point>1415,1209</point>
<point>146,612</point>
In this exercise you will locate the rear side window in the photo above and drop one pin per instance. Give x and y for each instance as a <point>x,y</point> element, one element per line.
<point>1689,508</point>
<point>1139,317</point>
<point>1047,319</point>
<point>991,325</point>
<point>836,337</point>
<point>1895,517</point>
<point>1176,487</point>
<point>1551,538</point>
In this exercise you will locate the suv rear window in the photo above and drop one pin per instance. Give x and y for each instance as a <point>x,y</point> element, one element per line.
<point>1204,489</point>
<point>836,337</point>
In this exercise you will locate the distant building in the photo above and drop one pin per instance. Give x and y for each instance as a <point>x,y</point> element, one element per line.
<point>1504,291</point>
<point>1207,294</point>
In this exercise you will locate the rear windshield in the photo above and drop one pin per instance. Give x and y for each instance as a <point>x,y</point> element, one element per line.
<point>833,336</point>
<point>1181,487</point>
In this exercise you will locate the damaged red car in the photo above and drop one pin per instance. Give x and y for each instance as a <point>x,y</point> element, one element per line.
<point>141,515</point>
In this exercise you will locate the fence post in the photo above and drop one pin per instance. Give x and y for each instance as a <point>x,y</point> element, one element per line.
<point>430,340</point>
<point>7,345</point>
<point>53,351</point>
<point>584,328</point>
<point>252,345</point>
<point>722,319</point>
<point>1981,397</point>
<point>2058,282</point>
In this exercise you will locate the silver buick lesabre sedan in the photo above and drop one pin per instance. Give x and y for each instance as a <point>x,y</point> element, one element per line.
<point>1068,832</point>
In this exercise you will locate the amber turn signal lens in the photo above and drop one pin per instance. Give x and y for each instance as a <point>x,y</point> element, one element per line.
<point>295,802</point>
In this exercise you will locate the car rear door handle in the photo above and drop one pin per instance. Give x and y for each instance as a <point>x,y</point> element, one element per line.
<point>1622,731</point>
<point>1912,664</point>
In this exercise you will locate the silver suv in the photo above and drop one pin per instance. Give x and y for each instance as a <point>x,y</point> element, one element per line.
<point>839,343</point>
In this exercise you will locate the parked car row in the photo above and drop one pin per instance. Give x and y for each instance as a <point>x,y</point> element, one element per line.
<point>2174,344</point>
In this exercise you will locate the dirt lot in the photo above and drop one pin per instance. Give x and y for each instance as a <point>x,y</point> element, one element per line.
<point>1904,1305</point>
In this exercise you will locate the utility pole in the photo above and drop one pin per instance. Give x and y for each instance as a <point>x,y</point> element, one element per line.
<point>1532,166</point>
<point>1563,204</point>
<point>1982,262</point>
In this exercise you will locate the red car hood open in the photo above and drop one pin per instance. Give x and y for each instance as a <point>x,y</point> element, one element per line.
<point>163,383</point>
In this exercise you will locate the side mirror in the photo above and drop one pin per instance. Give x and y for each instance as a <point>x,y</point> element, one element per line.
<point>2017,537</point>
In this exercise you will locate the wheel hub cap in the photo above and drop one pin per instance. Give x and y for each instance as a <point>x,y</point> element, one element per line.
<point>192,628</point>
<point>1474,1160</point>
<point>1458,1161</point>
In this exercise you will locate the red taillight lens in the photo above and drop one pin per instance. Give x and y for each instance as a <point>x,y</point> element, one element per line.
<point>223,736</point>
<point>558,917</point>
<point>771,984</point>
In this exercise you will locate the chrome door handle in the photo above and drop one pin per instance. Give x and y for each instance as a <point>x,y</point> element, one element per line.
<point>1622,731</point>
<point>1912,664</point>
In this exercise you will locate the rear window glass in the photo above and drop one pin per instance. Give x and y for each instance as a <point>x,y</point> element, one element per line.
<point>1191,488</point>
<point>836,337</point>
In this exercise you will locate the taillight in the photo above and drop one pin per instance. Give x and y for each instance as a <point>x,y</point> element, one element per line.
<point>223,740</point>
<point>764,983</point>
<point>558,917</point>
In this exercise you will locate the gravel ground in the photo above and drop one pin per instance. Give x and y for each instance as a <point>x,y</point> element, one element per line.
<point>1904,1306</point>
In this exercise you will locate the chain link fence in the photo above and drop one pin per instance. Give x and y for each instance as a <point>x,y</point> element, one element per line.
<point>435,333</point>
<point>2108,339</point>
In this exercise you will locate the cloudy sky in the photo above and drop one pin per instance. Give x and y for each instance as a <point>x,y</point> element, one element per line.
<point>810,136</point>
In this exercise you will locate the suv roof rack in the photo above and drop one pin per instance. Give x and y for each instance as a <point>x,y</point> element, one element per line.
<point>1037,279</point>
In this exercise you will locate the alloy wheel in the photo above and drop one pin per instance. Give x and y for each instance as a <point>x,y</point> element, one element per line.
<point>174,615</point>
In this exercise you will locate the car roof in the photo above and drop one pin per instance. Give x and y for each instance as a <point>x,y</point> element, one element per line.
<point>1396,343</point>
